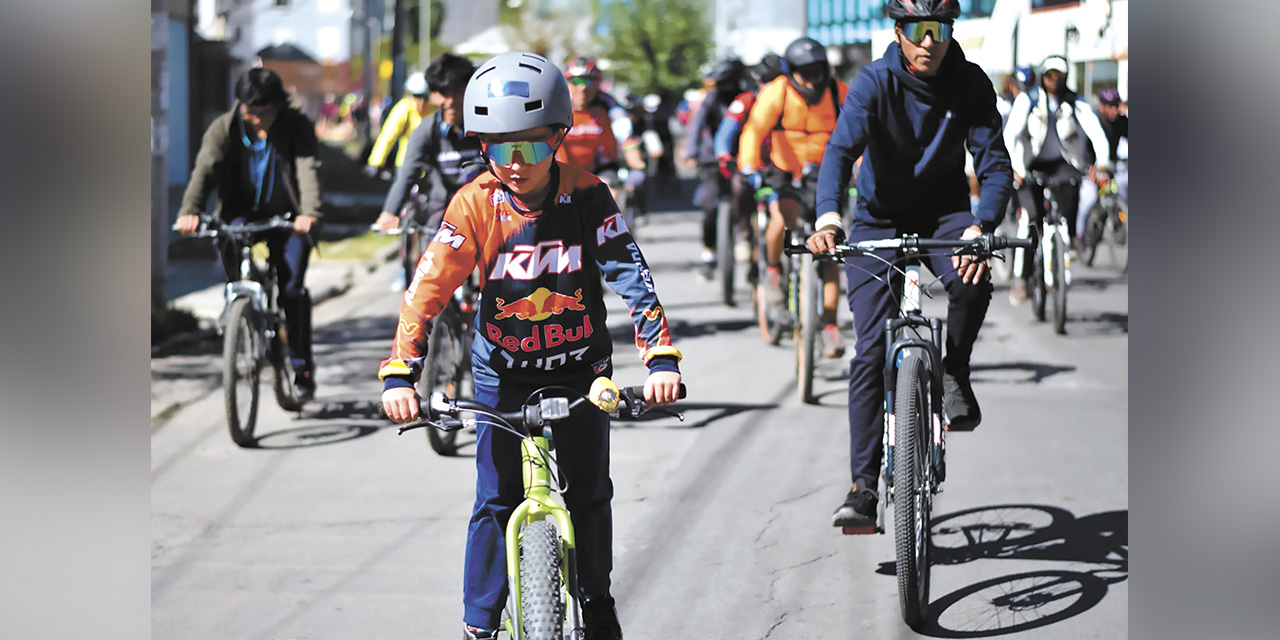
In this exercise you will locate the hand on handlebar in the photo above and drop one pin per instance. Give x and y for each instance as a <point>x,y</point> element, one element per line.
<point>969,270</point>
<point>823,241</point>
<point>187,225</point>
<point>302,224</point>
<point>662,387</point>
<point>387,221</point>
<point>401,404</point>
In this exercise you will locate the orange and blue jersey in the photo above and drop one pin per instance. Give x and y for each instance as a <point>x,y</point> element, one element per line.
<point>590,143</point>
<point>542,313</point>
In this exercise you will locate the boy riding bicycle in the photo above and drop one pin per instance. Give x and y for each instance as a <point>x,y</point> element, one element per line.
<point>543,233</point>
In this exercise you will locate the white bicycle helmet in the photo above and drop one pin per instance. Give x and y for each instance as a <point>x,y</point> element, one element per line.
<point>416,84</point>
<point>517,91</point>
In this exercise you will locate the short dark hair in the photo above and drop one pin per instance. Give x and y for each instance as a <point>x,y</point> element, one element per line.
<point>260,87</point>
<point>449,73</point>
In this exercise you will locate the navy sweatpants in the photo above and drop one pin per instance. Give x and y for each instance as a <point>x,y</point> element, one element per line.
<point>872,303</point>
<point>290,253</point>
<point>582,451</point>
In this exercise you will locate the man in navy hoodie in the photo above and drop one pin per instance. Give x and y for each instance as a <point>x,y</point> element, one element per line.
<point>910,116</point>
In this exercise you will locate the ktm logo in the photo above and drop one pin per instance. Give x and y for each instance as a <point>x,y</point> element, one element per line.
<point>565,199</point>
<point>447,236</point>
<point>653,314</point>
<point>539,305</point>
<point>613,227</point>
<point>527,261</point>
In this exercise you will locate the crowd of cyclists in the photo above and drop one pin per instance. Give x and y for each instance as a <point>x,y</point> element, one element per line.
<point>535,175</point>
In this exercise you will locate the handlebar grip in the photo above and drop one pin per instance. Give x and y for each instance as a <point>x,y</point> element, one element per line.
<point>638,392</point>
<point>1000,242</point>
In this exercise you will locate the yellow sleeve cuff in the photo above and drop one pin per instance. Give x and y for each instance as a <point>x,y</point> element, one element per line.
<point>662,351</point>
<point>393,368</point>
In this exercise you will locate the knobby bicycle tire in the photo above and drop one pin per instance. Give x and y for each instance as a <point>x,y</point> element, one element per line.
<point>241,372</point>
<point>1094,234</point>
<point>807,345</point>
<point>446,369</point>
<point>542,604</point>
<point>282,366</point>
<point>724,250</point>
<point>1059,284</point>
<point>911,491</point>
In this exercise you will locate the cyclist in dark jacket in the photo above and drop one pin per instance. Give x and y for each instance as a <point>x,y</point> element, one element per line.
<point>261,159</point>
<point>910,116</point>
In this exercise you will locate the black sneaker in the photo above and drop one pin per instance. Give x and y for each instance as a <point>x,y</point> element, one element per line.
<point>600,617</point>
<point>304,384</point>
<point>857,514</point>
<point>475,633</point>
<point>708,270</point>
<point>963,413</point>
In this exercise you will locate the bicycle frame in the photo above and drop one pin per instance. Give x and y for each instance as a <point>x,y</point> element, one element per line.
<point>541,501</point>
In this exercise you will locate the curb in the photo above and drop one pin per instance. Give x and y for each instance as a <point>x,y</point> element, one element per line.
<point>180,340</point>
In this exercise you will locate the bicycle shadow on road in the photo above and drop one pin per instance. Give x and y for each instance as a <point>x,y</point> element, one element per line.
<point>1037,371</point>
<point>326,422</point>
<point>1028,600</point>
<point>703,414</point>
<point>1098,324</point>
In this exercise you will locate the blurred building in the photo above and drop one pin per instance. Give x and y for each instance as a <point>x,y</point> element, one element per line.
<point>749,30</point>
<point>996,34</point>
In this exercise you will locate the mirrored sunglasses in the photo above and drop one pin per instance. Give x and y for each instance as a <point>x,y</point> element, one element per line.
<point>581,81</point>
<point>915,31</point>
<point>530,152</point>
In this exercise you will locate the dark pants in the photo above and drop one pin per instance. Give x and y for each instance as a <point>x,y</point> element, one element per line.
<point>582,451</point>
<point>290,253</point>
<point>872,303</point>
<point>714,188</point>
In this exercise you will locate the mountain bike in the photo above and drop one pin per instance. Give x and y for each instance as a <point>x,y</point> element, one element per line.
<point>1108,223</point>
<point>540,544</point>
<point>1050,264</point>
<point>253,328</point>
<point>448,364</point>
<point>915,424</point>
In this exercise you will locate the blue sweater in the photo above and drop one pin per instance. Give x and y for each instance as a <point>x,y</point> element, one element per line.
<point>912,133</point>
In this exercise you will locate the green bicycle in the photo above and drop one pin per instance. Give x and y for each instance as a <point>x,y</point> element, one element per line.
<point>541,557</point>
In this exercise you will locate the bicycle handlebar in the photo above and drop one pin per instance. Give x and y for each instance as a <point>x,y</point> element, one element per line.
<point>441,412</point>
<point>981,246</point>
<point>212,227</point>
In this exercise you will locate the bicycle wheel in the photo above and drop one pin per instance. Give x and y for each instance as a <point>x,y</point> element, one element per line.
<point>541,604</point>
<point>1003,269</point>
<point>446,369</point>
<point>1094,232</point>
<point>807,345</point>
<point>286,395</point>
<point>1117,227</point>
<point>411,243</point>
<point>1036,285</point>
<point>911,490</point>
<point>241,371</point>
<point>724,250</point>
<point>1059,282</point>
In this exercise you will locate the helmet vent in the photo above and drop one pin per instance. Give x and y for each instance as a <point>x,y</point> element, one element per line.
<point>531,67</point>
<point>482,111</point>
<point>532,105</point>
<point>485,71</point>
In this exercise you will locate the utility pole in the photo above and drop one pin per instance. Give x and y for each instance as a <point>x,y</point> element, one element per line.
<point>397,52</point>
<point>424,34</point>
<point>159,151</point>
<point>373,10</point>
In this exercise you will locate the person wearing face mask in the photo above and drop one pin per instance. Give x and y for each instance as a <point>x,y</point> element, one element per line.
<point>910,116</point>
<point>797,111</point>
<point>1055,134</point>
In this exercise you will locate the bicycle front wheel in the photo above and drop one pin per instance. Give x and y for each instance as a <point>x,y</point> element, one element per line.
<point>1059,283</point>
<point>1093,234</point>
<point>807,345</point>
<point>447,370</point>
<point>911,489</point>
<point>241,371</point>
<point>1036,284</point>
<point>542,604</point>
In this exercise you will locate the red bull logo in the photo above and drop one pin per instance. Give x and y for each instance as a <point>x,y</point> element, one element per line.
<point>539,305</point>
<point>545,336</point>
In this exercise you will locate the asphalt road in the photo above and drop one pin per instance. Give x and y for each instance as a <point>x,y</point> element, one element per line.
<point>337,528</point>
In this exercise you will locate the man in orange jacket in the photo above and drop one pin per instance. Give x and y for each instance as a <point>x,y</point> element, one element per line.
<point>797,111</point>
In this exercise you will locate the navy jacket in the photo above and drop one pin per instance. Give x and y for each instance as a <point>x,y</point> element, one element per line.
<point>912,134</point>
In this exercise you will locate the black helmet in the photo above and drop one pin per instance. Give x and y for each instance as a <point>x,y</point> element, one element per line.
<point>1025,77</point>
<point>922,9</point>
<point>769,67</point>
<point>727,71</point>
<point>804,51</point>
